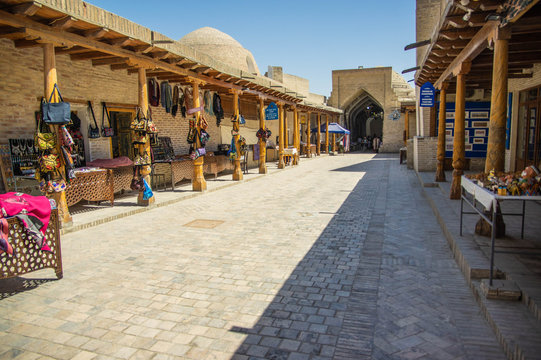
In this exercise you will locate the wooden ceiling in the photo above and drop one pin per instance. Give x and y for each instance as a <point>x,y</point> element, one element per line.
<point>31,24</point>
<point>464,36</point>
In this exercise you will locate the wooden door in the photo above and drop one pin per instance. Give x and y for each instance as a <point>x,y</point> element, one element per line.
<point>121,142</point>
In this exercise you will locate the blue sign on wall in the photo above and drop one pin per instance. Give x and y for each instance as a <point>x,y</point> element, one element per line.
<point>427,95</point>
<point>271,112</point>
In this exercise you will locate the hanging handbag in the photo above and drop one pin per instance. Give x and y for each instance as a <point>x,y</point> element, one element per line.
<point>147,191</point>
<point>198,153</point>
<point>204,137</point>
<point>49,163</point>
<point>136,183</point>
<point>242,121</point>
<point>93,132</point>
<point>139,123</point>
<point>203,123</point>
<point>191,132</point>
<point>44,141</point>
<point>58,113</point>
<point>106,131</point>
<point>140,138</point>
<point>150,126</point>
<point>142,159</point>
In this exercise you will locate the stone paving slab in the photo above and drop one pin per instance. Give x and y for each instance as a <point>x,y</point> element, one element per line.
<point>337,258</point>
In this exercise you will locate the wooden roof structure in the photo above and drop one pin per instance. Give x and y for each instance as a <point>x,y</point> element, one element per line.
<point>86,32</point>
<point>465,34</point>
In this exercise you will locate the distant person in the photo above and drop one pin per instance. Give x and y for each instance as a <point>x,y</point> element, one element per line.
<point>376,143</point>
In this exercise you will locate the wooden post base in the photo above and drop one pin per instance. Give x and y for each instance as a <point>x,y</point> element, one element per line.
<point>281,163</point>
<point>440,173</point>
<point>198,183</point>
<point>262,168</point>
<point>237,172</point>
<point>63,211</point>
<point>456,188</point>
<point>295,159</point>
<point>483,228</point>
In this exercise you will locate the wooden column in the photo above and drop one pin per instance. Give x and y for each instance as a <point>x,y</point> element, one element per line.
<point>498,105</point>
<point>198,182</point>
<point>50,78</point>
<point>143,148</point>
<point>286,135</point>
<point>459,152</point>
<point>318,135</point>
<point>333,142</point>
<point>281,164</point>
<point>440,172</point>
<point>327,134</point>
<point>237,171</point>
<point>296,135</point>
<point>262,144</point>
<point>308,153</point>
<point>407,126</point>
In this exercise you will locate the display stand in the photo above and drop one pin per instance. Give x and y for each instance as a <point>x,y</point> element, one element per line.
<point>473,195</point>
<point>26,257</point>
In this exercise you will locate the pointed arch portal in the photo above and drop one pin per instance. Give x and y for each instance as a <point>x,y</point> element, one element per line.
<point>363,115</point>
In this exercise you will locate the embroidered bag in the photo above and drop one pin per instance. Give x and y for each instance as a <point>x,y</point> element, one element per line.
<point>106,131</point>
<point>49,163</point>
<point>44,141</point>
<point>58,113</point>
<point>93,132</point>
<point>204,137</point>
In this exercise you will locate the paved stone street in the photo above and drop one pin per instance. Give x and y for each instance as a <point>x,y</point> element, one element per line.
<point>337,258</point>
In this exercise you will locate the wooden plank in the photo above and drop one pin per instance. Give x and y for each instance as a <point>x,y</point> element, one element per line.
<point>8,32</point>
<point>121,41</point>
<point>24,43</point>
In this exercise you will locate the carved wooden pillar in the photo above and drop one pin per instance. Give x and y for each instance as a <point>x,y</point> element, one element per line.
<point>143,148</point>
<point>498,105</point>
<point>318,135</point>
<point>296,136</point>
<point>281,164</point>
<point>459,152</point>
<point>198,183</point>
<point>327,134</point>
<point>50,78</point>
<point>440,171</point>
<point>262,144</point>
<point>308,153</point>
<point>286,134</point>
<point>237,171</point>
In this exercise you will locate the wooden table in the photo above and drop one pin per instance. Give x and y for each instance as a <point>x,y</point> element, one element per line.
<point>96,185</point>
<point>473,194</point>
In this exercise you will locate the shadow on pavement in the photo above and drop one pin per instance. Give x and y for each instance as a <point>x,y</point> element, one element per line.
<point>13,286</point>
<point>306,317</point>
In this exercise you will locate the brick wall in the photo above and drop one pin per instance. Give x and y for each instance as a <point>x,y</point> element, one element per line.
<point>424,153</point>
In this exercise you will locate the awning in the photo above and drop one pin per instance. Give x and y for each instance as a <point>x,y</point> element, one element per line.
<point>334,128</point>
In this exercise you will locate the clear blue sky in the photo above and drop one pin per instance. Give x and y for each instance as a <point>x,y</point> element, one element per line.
<point>307,38</point>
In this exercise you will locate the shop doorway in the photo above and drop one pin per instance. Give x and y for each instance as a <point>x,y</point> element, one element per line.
<point>529,129</point>
<point>121,141</point>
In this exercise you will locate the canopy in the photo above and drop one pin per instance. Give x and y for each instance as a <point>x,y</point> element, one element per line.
<point>334,128</point>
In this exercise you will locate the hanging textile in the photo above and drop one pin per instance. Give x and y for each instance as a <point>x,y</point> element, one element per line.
<point>166,96</point>
<point>174,107</point>
<point>217,108</point>
<point>153,92</point>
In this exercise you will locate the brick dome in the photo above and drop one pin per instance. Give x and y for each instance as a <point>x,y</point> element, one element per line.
<point>222,47</point>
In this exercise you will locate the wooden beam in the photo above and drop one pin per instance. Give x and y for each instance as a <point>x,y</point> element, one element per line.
<point>122,41</point>
<point>96,33</point>
<point>63,23</point>
<point>8,32</point>
<point>89,55</point>
<point>452,35</point>
<point>24,43</point>
<point>70,49</point>
<point>109,61</point>
<point>27,8</point>
<point>122,67</point>
<point>477,44</point>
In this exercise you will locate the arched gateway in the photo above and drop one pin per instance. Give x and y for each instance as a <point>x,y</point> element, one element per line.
<point>372,100</point>
<point>363,115</point>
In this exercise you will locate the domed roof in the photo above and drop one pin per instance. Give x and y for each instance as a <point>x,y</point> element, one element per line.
<point>222,47</point>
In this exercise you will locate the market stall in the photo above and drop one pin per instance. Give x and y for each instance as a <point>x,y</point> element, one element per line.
<point>486,203</point>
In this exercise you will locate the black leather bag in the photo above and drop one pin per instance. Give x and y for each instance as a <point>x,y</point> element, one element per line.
<point>56,113</point>
<point>93,132</point>
<point>106,131</point>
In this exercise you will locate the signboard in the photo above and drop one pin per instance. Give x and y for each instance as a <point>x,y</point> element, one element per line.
<point>271,112</point>
<point>427,95</point>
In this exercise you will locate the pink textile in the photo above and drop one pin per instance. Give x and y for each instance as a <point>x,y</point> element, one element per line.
<point>12,203</point>
<point>111,163</point>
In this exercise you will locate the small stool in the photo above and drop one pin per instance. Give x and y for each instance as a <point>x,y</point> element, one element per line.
<point>156,179</point>
<point>403,154</point>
